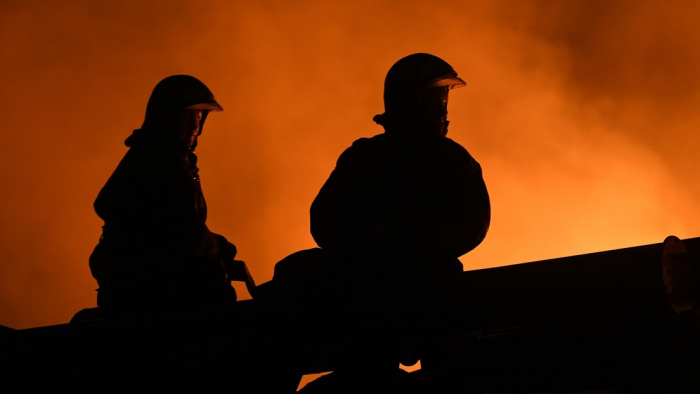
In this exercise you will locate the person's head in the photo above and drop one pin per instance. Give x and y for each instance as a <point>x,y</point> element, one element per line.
<point>416,91</point>
<point>177,109</point>
<point>188,126</point>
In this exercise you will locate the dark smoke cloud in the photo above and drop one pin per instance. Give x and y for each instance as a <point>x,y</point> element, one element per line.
<point>633,64</point>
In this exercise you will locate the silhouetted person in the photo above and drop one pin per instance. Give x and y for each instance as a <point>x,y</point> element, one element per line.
<point>391,220</point>
<point>156,253</point>
<point>402,206</point>
<point>407,203</point>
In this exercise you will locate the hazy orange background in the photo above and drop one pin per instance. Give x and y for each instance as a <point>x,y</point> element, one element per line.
<point>583,114</point>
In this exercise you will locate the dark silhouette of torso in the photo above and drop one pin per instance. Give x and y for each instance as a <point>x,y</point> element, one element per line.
<point>422,198</point>
<point>403,210</point>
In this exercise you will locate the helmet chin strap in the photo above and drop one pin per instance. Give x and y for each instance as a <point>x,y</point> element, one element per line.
<point>433,127</point>
<point>444,128</point>
<point>435,130</point>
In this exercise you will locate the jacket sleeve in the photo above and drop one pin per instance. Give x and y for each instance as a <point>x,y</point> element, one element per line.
<point>336,221</point>
<point>463,218</point>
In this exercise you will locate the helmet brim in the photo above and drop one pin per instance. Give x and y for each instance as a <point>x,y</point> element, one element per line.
<point>206,106</point>
<point>449,79</point>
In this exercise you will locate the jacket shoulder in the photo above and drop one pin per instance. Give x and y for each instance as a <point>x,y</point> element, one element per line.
<point>363,148</point>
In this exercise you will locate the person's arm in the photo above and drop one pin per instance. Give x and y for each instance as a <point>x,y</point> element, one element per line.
<point>333,212</point>
<point>463,214</point>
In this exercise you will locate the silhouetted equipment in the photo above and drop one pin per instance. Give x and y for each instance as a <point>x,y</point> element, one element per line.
<point>624,320</point>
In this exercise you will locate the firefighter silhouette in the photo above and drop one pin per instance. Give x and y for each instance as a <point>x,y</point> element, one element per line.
<point>156,252</point>
<point>391,221</point>
<point>399,208</point>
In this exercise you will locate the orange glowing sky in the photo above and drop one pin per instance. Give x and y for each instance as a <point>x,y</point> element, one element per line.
<point>583,114</point>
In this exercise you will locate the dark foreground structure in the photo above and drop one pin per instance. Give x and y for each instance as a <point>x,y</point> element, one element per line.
<point>625,320</point>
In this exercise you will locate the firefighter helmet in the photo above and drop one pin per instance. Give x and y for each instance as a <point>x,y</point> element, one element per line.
<point>409,76</point>
<point>175,93</point>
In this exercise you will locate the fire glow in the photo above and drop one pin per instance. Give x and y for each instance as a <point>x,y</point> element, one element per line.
<point>582,114</point>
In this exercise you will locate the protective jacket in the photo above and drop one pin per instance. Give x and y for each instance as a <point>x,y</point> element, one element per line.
<point>407,208</point>
<point>156,252</point>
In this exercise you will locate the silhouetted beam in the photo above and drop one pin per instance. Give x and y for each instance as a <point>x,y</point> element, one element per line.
<point>624,319</point>
<point>616,286</point>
